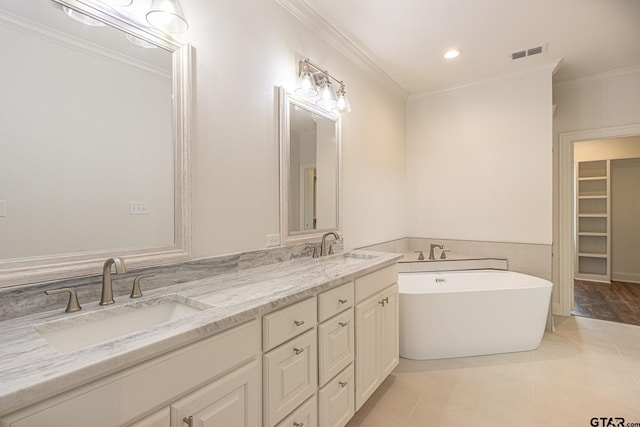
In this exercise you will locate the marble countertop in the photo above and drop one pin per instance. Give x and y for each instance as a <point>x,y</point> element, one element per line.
<point>31,370</point>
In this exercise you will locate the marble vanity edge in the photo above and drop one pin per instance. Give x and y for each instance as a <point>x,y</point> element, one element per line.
<point>191,329</point>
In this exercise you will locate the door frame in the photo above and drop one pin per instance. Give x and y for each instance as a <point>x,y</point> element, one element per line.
<point>566,205</point>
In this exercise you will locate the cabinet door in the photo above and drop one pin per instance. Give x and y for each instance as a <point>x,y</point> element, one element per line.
<point>335,346</point>
<point>161,418</point>
<point>336,400</point>
<point>389,331</point>
<point>368,344</point>
<point>233,400</point>
<point>290,376</point>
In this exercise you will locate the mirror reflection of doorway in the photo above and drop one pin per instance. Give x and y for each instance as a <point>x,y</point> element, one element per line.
<point>308,196</point>
<point>607,233</point>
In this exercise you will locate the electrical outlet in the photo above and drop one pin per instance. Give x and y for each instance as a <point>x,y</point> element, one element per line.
<point>273,240</point>
<point>138,208</point>
<point>3,208</point>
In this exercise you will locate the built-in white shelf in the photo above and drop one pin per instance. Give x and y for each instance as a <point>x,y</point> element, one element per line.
<point>593,244</point>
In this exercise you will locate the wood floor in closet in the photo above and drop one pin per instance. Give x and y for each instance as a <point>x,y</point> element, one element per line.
<point>617,302</point>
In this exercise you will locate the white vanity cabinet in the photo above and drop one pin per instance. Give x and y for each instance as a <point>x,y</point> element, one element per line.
<point>376,330</point>
<point>335,356</point>
<point>290,370</point>
<point>143,394</point>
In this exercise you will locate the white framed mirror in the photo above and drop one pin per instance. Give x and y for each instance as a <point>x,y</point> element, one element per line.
<point>310,168</point>
<point>94,142</point>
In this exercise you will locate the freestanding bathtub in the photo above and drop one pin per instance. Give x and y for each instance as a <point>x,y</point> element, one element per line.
<point>471,313</point>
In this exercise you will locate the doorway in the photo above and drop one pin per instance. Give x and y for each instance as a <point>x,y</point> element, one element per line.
<point>606,231</point>
<point>566,244</point>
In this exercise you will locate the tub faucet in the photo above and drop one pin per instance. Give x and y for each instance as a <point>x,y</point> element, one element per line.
<point>432,246</point>
<point>323,243</point>
<point>107,287</point>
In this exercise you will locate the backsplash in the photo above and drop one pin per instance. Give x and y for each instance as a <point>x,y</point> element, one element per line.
<point>23,300</point>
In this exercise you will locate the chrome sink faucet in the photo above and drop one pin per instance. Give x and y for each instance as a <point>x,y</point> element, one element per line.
<point>323,243</point>
<point>432,246</point>
<point>107,287</point>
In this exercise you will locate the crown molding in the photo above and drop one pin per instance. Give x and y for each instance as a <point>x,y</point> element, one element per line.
<point>598,77</point>
<point>548,67</point>
<point>309,17</point>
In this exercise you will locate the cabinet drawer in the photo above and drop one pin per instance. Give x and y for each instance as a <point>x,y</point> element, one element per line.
<point>335,346</point>
<point>288,322</point>
<point>306,415</point>
<point>336,400</point>
<point>375,282</point>
<point>335,301</point>
<point>290,376</point>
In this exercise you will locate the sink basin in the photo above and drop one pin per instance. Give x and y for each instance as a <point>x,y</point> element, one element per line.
<point>84,330</point>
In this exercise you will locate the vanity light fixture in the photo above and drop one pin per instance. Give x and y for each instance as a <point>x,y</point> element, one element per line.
<point>327,97</point>
<point>343,105</point>
<point>164,15</point>
<point>306,84</point>
<point>81,17</point>
<point>315,85</point>
<point>167,16</point>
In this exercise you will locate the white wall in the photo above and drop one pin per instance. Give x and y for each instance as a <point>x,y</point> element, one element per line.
<point>479,162</point>
<point>243,50</point>
<point>625,220</point>
<point>601,149</point>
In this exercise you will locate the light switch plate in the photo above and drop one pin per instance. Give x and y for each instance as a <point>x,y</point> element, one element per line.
<point>138,208</point>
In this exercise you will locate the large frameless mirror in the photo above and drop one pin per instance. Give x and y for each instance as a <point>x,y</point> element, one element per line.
<point>310,142</point>
<point>94,141</point>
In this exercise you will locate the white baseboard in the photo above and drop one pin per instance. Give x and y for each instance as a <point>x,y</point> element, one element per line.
<point>625,277</point>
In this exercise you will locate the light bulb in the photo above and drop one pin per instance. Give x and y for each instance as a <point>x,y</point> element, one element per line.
<point>343,106</point>
<point>327,97</point>
<point>306,85</point>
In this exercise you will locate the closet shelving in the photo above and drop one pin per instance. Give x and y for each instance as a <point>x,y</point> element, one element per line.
<point>593,206</point>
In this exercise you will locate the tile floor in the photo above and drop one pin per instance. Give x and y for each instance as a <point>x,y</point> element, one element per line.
<point>587,368</point>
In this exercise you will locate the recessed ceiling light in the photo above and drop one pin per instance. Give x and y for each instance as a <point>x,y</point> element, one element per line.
<point>452,53</point>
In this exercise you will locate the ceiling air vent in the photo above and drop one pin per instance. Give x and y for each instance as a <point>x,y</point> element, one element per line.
<point>529,52</point>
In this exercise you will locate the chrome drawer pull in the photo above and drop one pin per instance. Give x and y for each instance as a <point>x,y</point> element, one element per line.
<point>295,424</point>
<point>298,322</point>
<point>188,420</point>
<point>343,384</point>
<point>343,324</point>
<point>381,302</point>
<point>342,301</point>
<point>298,350</point>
